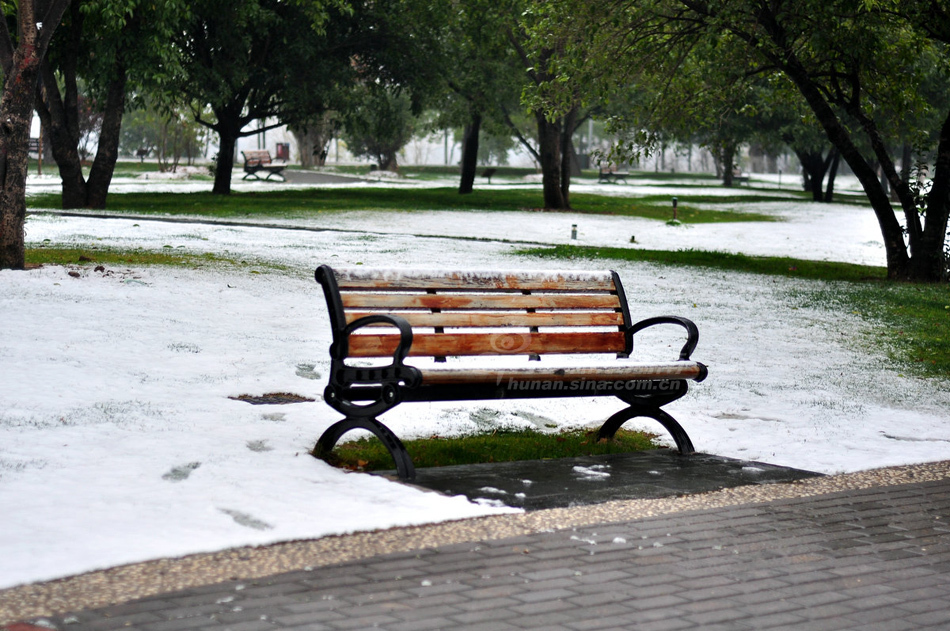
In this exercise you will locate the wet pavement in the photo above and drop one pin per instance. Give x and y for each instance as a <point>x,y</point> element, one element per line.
<point>874,559</point>
<point>566,482</point>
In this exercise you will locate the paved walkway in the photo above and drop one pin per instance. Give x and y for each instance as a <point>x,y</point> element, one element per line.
<point>873,558</point>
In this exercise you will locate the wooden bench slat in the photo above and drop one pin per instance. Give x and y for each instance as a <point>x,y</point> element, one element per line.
<point>507,319</point>
<point>257,157</point>
<point>371,278</point>
<point>618,372</point>
<point>492,302</point>
<point>460,344</point>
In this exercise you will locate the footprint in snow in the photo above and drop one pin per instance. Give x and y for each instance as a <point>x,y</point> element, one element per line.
<point>181,472</point>
<point>259,445</point>
<point>307,371</point>
<point>244,519</point>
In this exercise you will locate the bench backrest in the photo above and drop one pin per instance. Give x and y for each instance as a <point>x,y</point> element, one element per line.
<point>456,313</point>
<point>255,157</point>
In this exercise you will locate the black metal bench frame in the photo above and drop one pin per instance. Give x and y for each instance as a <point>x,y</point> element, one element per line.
<point>362,394</point>
<point>255,163</point>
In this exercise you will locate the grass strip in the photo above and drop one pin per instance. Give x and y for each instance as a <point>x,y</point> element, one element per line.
<point>770,265</point>
<point>501,445</point>
<point>40,254</point>
<point>297,203</point>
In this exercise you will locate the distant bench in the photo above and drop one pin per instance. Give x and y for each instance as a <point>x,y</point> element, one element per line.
<point>607,175</point>
<point>257,160</point>
<point>395,314</point>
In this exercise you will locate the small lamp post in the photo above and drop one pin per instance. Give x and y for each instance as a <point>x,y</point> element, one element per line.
<point>675,201</point>
<point>573,230</point>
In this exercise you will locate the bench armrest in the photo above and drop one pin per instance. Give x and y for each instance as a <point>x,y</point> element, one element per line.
<point>387,379</point>
<point>340,347</point>
<point>692,331</point>
<point>393,373</point>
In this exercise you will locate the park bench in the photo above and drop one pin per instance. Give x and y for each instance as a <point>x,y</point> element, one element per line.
<point>256,160</point>
<point>608,175</point>
<point>382,317</point>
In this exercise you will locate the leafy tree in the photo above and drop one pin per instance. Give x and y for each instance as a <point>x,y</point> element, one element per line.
<point>379,125</point>
<point>21,53</point>
<point>858,65</point>
<point>541,46</point>
<point>258,60</point>
<point>285,62</point>
<point>109,48</point>
<point>481,82</point>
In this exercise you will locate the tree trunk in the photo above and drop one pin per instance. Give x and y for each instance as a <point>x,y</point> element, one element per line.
<point>894,247</point>
<point>929,259</point>
<point>549,151</point>
<point>21,71</point>
<point>16,112</point>
<point>728,153</point>
<point>312,140</point>
<point>100,176</point>
<point>65,152</point>
<point>832,172</point>
<point>470,154</point>
<point>305,145</point>
<point>814,167</point>
<point>59,113</point>
<point>225,162</point>
<point>388,162</point>
<point>567,154</point>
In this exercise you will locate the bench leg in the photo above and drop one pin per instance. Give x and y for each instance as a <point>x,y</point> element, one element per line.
<point>404,466</point>
<point>610,427</point>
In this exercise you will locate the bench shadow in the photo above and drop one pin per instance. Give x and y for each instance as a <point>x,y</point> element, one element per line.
<point>566,482</point>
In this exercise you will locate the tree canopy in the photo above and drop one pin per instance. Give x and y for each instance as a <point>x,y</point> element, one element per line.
<point>859,66</point>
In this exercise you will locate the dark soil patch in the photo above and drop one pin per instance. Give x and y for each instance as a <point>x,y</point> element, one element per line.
<point>272,398</point>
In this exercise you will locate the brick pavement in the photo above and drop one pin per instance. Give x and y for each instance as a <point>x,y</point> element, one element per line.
<point>872,559</point>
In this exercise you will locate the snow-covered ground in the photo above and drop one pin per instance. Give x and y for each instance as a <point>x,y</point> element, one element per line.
<point>119,442</point>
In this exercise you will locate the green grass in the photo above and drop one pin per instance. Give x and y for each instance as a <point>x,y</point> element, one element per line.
<point>303,203</point>
<point>41,254</point>
<point>910,322</point>
<point>763,196</point>
<point>502,445</point>
<point>770,265</point>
